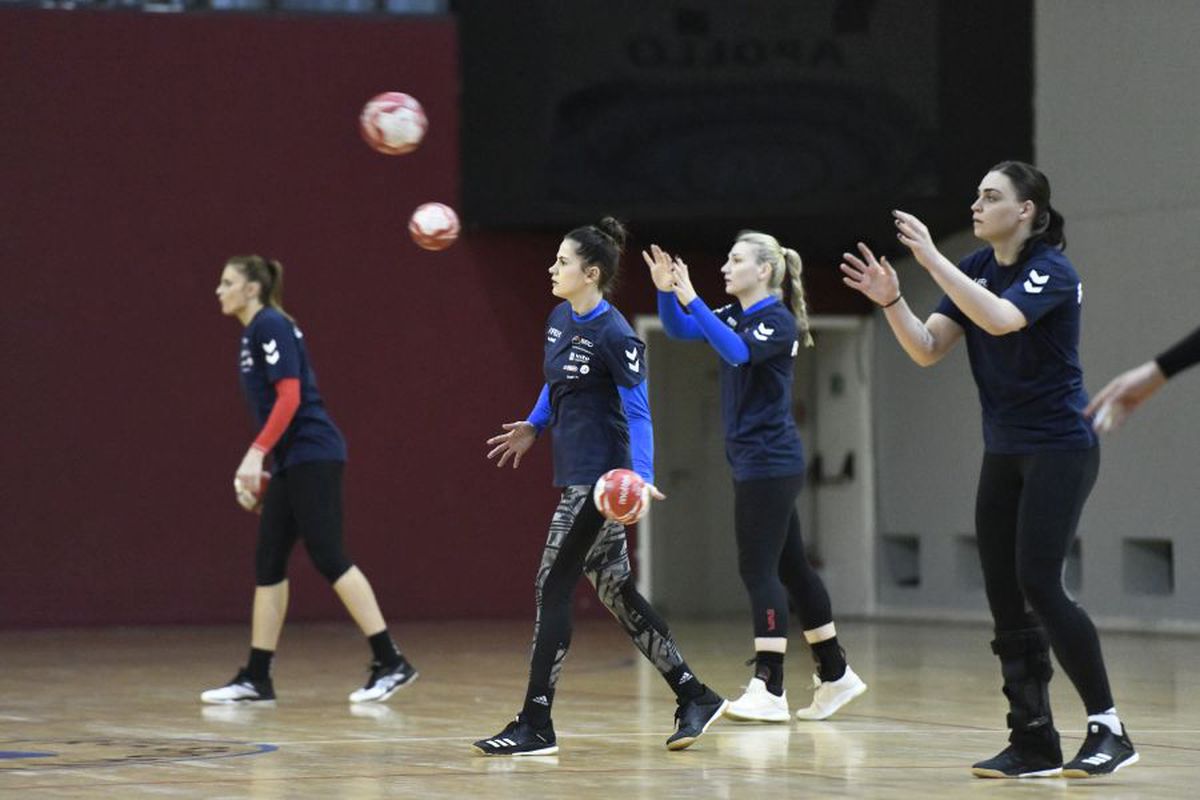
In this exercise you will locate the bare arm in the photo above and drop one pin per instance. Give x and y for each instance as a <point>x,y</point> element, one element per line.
<point>925,342</point>
<point>993,314</point>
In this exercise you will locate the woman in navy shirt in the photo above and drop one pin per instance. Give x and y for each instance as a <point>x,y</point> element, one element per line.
<point>594,402</point>
<point>1017,302</point>
<point>303,499</point>
<point>757,341</point>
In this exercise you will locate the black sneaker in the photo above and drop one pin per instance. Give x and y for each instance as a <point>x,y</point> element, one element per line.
<point>1018,762</point>
<point>692,718</point>
<point>519,738</point>
<point>1102,753</point>
<point>385,681</point>
<point>242,689</point>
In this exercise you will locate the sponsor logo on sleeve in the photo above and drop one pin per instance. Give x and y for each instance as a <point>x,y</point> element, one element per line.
<point>762,332</point>
<point>552,334</point>
<point>271,348</point>
<point>635,363</point>
<point>1036,282</point>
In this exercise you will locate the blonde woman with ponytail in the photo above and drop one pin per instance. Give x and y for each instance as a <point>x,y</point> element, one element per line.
<point>757,338</point>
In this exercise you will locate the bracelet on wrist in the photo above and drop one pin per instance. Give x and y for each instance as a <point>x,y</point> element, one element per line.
<point>899,297</point>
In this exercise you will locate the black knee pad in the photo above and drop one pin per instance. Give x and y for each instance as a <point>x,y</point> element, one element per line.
<point>270,566</point>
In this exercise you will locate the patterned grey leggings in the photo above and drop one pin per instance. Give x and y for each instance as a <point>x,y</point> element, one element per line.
<point>582,541</point>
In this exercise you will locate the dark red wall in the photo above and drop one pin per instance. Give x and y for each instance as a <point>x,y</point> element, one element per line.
<point>138,152</point>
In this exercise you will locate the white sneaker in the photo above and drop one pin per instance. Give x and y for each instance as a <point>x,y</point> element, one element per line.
<point>385,682</point>
<point>832,695</point>
<point>759,705</point>
<point>242,689</point>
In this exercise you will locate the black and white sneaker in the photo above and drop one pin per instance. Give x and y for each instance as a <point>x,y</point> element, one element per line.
<point>1103,753</point>
<point>692,718</point>
<point>385,681</point>
<point>242,689</point>
<point>1018,762</point>
<point>519,738</point>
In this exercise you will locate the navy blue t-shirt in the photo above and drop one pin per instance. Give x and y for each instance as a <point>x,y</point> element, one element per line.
<point>585,362</point>
<point>1030,381</point>
<point>272,349</point>
<point>761,440</point>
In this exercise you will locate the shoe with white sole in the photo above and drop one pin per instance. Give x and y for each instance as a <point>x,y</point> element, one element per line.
<point>385,681</point>
<point>832,695</point>
<point>759,705</point>
<point>242,689</point>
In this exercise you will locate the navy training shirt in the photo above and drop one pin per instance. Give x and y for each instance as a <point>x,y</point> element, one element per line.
<point>761,440</point>
<point>585,360</point>
<point>1030,381</point>
<point>272,348</point>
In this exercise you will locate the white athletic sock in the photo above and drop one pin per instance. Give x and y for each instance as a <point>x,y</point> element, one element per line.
<point>1109,719</point>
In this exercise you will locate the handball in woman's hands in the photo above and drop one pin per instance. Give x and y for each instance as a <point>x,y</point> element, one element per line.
<point>620,494</point>
<point>393,123</point>
<point>249,499</point>
<point>434,226</point>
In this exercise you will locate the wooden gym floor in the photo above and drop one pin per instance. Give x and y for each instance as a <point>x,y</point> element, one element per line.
<point>116,713</point>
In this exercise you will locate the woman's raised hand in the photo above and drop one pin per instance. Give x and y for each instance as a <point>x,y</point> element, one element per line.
<point>874,277</point>
<point>659,262</point>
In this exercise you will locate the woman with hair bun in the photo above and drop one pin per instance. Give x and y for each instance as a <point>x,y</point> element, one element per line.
<point>1018,302</point>
<point>757,340</point>
<point>303,499</point>
<point>594,402</point>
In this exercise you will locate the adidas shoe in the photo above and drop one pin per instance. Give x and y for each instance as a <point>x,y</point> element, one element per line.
<point>759,705</point>
<point>385,681</point>
<point>832,695</point>
<point>1102,753</point>
<point>242,689</point>
<point>519,738</point>
<point>1019,762</point>
<point>692,718</point>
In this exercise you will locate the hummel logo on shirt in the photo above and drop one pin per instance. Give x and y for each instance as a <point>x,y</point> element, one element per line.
<point>631,354</point>
<point>269,347</point>
<point>636,366</point>
<point>273,358</point>
<point>762,332</point>
<point>1036,282</point>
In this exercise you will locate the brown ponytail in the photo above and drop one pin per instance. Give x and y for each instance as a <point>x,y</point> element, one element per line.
<point>268,274</point>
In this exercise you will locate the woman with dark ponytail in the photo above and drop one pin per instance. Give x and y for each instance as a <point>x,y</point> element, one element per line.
<point>303,498</point>
<point>594,402</point>
<point>757,340</point>
<point>1018,303</point>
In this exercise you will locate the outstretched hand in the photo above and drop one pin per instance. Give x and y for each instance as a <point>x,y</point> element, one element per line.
<point>913,234</point>
<point>1122,395</point>
<point>684,291</point>
<point>659,262</point>
<point>517,438</point>
<point>874,277</point>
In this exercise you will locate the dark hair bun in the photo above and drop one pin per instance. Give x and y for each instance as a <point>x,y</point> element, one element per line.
<point>613,229</point>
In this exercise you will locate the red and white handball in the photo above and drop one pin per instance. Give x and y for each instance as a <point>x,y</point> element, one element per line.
<point>620,493</point>
<point>393,123</point>
<point>434,226</point>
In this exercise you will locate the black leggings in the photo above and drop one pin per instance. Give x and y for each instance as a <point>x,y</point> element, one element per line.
<point>581,542</point>
<point>1026,513</point>
<point>771,556</point>
<point>303,501</point>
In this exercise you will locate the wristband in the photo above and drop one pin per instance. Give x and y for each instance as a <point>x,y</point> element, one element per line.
<point>899,297</point>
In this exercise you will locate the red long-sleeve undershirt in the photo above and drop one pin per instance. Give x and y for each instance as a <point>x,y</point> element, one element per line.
<point>287,400</point>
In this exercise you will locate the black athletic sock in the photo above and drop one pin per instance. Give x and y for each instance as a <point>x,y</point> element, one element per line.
<point>684,683</point>
<point>384,649</point>
<point>536,710</point>
<point>768,667</point>
<point>259,665</point>
<point>830,658</point>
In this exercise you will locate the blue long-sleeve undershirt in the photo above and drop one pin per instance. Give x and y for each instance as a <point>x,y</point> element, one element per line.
<point>701,323</point>
<point>539,418</point>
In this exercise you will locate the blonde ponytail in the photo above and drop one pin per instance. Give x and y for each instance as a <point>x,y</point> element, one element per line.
<point>799,307</point>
